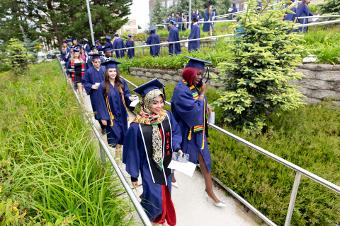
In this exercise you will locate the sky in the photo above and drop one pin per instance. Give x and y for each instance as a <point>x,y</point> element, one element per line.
<point>140,12</point>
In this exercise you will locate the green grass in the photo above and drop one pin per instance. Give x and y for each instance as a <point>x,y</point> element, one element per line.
<point>308,137</point>
<point>324,42</point>
<point>49,169</point>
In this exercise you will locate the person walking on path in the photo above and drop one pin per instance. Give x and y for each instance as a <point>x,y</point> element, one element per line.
<point>130,43</point>
<point>91,81</point>
<point>190,109</point>
<point>153,39</point>
<point>194,34</point>
<point>112,104</point>
<point>174,48</point>
<point>147,151</point>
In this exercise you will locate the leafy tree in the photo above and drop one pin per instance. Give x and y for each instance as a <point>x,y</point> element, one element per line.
<point>158,14</point>
<point>18,56</point>
<point>331,6</point>
<point>57,19</point>
<point>257,79</point>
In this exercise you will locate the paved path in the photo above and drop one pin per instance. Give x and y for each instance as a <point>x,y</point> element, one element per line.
<point>192,206</point>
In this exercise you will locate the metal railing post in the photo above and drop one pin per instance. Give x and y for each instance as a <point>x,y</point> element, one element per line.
<point>292,198</point>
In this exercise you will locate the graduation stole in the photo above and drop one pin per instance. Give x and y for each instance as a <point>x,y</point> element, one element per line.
<point>194,91</point>
<point>107,102</point>
<point>158,173</point>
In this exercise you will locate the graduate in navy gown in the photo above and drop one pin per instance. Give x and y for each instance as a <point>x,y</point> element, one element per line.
<point>190,109</point>
<point>108,43</point>
<point>130,43</point>
<point>207,26</point>
<point>91,81</point>
<point>303,11</point>
<point>147,152</point>
<point>194,34</point>
<point>173,36</point>
<point>118,43</point>
<point>98,45</point>
<point>153,39</point>
<point>112,105</point>
<point>291,15</point>
<point>107,54</point>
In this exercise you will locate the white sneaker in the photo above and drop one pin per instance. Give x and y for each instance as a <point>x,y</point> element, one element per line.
<point>219,204</point>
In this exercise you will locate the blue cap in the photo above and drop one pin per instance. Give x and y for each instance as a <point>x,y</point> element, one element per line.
<point>111,63</point>
<point>116,35</point>
<point>147,87</point>
<point>129,35</point>
<point>172,22</point>
<point>108,37</point>
<point>69,40</point>
<point>197,63</point>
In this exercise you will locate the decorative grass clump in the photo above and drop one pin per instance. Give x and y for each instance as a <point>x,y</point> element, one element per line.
<point>49,169</point>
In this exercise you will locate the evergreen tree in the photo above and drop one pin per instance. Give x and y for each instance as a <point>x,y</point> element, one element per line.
<point>18,56</point>
<point>331,7</point>
<point>158,13</point>
<point>257,80</point>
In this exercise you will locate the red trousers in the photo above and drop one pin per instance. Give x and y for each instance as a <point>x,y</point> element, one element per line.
<point>168,208</point>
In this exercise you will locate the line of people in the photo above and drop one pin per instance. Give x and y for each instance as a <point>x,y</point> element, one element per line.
<point>154,134</point>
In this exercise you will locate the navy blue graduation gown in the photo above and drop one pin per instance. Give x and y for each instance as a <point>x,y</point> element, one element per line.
<point>302,11</point>
<point>194,33</point>
<point>118,43</point>
<point>207,17</point>
<point>130,52</point>
<point>91,77</point>
<point>137,163</point>
<point>154,39</point>
<point>115,132</point>
<point>174,36</point>
<point>190,115</point>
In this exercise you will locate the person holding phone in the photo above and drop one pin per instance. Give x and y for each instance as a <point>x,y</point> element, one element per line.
<point>190,109</point>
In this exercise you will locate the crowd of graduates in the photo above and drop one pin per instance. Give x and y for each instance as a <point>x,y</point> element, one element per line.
<point>150,138</point>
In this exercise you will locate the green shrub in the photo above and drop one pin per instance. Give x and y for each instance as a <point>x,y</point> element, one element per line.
<point>18,56</point>
<point>49,170</point>
<point>256,79</point>
<point>331,6</point>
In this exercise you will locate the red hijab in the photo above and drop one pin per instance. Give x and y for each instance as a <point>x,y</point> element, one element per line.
<point>189,74</point>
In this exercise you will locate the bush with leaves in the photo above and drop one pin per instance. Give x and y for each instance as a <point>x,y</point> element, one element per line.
<point>257,79</point>
<point>18,56</point>
<point>331,7</point>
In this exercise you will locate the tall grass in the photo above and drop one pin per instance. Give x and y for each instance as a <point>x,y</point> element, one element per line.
<point>308,137</point>
<point>49,169</point>
<point>324,42</point>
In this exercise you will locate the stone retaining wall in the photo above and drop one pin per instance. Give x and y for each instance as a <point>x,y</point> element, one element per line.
<point>319,82</point>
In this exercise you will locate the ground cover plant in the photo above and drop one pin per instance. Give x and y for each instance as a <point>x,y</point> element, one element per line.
<point>308,137</point>
<point>49,169</point>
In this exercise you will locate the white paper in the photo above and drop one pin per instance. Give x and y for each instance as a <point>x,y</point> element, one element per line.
<point>134,103</point>
<point>211,118</point>
<point>188,168</point>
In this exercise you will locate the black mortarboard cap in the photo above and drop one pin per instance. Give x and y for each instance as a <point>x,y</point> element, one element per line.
<point>111,63</point>
<point>107,49</point>
<point>147,87</point>
<point>76,49</point>
<point>95,55</point>
<point>197,63</point>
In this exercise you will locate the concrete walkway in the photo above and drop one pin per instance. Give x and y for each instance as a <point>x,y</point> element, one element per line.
<point>192,206</point>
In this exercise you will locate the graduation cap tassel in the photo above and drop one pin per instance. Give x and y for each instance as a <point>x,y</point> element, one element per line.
<point>164,94</point>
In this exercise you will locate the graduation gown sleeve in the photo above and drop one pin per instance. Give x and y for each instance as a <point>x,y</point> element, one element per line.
<point>189,110</point>
<point>176,133</point>
<point>102,112</point>
<point>131,151</point>
<point>87,82</point>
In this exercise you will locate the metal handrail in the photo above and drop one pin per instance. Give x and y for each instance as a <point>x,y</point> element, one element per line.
<point>120,175</point>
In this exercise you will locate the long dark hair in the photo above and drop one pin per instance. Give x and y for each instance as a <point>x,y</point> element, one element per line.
<point>118,82</point>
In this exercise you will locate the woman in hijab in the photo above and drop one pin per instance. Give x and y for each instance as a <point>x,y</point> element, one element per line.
<point>147,151</point>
